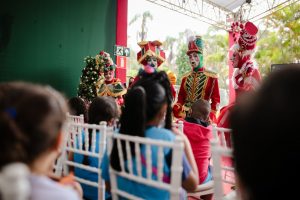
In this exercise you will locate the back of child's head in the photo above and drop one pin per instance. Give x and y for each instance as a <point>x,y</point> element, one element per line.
<point>142,104</point>
<point>161,78</point>
<point>200,109</point>
<point>78,107</point>
<point>266,151</point>
<point>31,117</point>
<point>102,109</point>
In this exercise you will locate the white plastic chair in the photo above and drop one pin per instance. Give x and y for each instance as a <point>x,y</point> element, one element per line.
<point>176,167</point>
<point>80,145</point>
<point>220,149</point>
<point>74,118</point>
<point>57,169</point>
<point>209,187</point>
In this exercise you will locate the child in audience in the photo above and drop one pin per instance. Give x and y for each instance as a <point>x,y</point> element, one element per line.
<point>145,108</point>
<point>31,121</point>
<point>199,113</point>
<point>266,151</point>
<point>199,135</point>
<point>101,109</point>
<point>78,107</point>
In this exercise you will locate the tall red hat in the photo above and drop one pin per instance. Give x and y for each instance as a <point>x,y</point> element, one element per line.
<point>195,45</point>
<point>151,48</point>
<point>246,75</point>
<point>247,39</point>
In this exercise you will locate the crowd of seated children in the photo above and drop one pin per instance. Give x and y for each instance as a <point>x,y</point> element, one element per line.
<point>101,109</point>
<point>266,151</point>
<point>31,121</point>
<point>149,96</point>
<point>32,117</point>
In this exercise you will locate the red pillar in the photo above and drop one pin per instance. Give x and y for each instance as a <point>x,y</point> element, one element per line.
<point>231,89</point>
<point>121,33</point>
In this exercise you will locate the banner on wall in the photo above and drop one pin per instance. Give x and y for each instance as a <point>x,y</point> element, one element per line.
<point>121,68</point>
<point>121,62</point>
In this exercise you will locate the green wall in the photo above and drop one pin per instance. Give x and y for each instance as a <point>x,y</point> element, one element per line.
<point>45,41</point>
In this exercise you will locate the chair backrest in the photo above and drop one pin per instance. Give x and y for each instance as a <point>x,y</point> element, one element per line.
<point>223,170</point>
<point>74,118</point>
<point>58,168</point>
<point>76,141</point>
<point>127,167</point>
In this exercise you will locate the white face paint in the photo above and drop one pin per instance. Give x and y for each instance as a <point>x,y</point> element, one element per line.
<point>152,61</point>
<point>194,59</point>
<point>235,59</point>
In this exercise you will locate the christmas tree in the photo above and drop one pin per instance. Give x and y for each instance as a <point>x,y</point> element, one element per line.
<point>90,76</point>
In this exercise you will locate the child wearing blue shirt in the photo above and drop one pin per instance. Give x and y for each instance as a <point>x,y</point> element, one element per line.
<point>101,109</point>
<point>145,108</point>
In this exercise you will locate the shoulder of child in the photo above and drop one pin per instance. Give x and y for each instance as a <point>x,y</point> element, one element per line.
<point>45,188</point>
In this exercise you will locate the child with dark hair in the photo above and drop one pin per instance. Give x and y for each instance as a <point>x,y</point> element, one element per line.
<point>266,154</point>
<point>101,109</point>
<point>161,77</point>
<point>31,121</point>
<point>199,113</point>
<point>78,107</point>
<point>150,97</point>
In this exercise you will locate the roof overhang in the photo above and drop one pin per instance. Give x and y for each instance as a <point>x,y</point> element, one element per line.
<point>221,13</point>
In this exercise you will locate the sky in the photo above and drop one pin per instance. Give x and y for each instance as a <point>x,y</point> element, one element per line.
<point>165,22</point>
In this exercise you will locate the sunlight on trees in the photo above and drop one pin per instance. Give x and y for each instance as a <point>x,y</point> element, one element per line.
<point>278,43</point>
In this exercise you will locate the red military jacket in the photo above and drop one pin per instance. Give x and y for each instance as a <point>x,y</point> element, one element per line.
<point>202,84</point>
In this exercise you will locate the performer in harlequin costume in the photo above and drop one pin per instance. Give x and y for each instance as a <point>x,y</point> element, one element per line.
<point>109,85</point>
<point>246,76</point>
<point>151,57</point>
<point>199,83</point>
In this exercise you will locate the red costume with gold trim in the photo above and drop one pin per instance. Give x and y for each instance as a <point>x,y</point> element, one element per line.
<point>197,84</point>
<point>194,86</point>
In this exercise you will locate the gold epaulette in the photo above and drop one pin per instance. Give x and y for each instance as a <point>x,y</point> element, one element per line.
<point>186,74</point>
<point>210,74</point>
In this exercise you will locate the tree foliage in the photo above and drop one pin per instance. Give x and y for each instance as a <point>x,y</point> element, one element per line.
<point>142,33</point>
<point>279,42</point>
<point>182,62</point>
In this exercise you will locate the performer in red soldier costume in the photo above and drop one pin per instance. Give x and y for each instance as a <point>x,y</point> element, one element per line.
<point>246,76</point>
<point>109,86</point>
<point>151,57</point>
<point>199,83</point>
